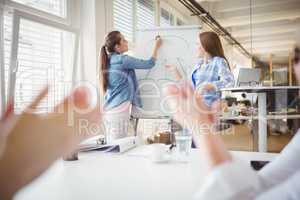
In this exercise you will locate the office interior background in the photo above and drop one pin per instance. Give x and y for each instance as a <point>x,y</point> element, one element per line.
<point>57,42</point>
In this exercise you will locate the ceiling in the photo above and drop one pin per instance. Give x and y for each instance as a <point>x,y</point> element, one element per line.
<point>275,24</point>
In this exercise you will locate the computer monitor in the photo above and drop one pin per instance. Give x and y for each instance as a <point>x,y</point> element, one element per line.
<point>248,77</point>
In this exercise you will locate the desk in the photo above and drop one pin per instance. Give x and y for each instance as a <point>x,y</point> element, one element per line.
<point>108,177</point>
<point>136,119</point>
<point>262,108</point>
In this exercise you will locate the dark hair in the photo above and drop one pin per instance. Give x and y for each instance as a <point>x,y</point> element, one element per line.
<point>111,40</point>
<point>296,55</point>
<point>211,43</point>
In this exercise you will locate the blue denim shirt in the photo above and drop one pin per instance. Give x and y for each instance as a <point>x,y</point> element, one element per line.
<point>122,81</point>
<point>216,71</point>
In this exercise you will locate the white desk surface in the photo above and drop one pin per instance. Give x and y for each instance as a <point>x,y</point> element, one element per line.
<point>260,88</point>
<point>105,176</point>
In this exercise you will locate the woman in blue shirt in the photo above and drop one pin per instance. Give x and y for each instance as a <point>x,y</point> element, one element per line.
<point>118,81</point>
<point>212,72</point>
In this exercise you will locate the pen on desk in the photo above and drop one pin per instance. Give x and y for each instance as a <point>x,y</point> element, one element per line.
<point>172,146</point>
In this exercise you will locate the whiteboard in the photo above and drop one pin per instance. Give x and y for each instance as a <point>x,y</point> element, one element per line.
<point>179,48</point>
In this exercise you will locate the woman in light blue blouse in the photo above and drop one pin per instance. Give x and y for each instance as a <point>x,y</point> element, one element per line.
<point>118,81</point>
<point>212,72</point>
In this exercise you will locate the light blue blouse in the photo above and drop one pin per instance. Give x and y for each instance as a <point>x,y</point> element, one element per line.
<point>216,71</point>
<point>122,81</point>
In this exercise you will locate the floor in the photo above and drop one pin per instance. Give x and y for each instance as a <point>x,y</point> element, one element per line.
<point>239,138</point>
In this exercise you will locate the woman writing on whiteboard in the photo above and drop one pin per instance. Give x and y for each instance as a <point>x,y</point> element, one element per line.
<point>118,81</point>
<point>212,72</point>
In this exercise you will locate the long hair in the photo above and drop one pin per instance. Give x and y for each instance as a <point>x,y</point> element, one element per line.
<point>296,55</point>
<point>211,43</point>
<point>111,40</point>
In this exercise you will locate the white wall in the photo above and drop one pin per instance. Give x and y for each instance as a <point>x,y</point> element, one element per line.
<point>88,33</point>
<point>104,20</point>
<point>235,57</point>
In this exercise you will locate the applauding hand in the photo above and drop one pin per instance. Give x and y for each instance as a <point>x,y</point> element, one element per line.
<point>188,107</point>
<point>35,141</point>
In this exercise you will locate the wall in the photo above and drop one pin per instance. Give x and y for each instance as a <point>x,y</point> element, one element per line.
<point>88,40</point>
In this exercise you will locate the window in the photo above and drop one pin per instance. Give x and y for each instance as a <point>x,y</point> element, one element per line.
<point>179,22</point>
<point>130,15</point>
<point>170,16</point>
<point>2,69</point>
<point>40,58</point>
<point>145,14</point>
<point>166,18</point>
<point>123,17</point>
<point>7,26</point>
<point>44,54</point>
<point>55,7</point>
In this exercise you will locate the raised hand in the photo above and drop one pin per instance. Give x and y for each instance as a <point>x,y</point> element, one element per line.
<point>158,42</point>
<point>192,113</point>
<point>36,141</point>
<point>188,107</point>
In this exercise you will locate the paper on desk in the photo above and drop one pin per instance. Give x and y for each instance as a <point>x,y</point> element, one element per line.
<point>140,151</point>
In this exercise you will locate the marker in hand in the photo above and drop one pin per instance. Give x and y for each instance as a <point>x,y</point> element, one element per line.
<point>158,41</point>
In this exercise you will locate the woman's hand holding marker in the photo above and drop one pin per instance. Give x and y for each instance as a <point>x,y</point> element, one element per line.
<point>158,41</point>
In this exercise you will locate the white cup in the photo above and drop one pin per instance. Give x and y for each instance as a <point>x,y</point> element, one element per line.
<point>158,152</point>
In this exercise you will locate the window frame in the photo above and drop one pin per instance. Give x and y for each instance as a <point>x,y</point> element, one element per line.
<point>2,65</point>
<point>171,16</point>
<point>28,9</point>
<point>13,69</point>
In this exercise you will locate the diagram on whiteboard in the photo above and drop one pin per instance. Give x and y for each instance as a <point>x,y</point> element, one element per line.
<point>178,49</point>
